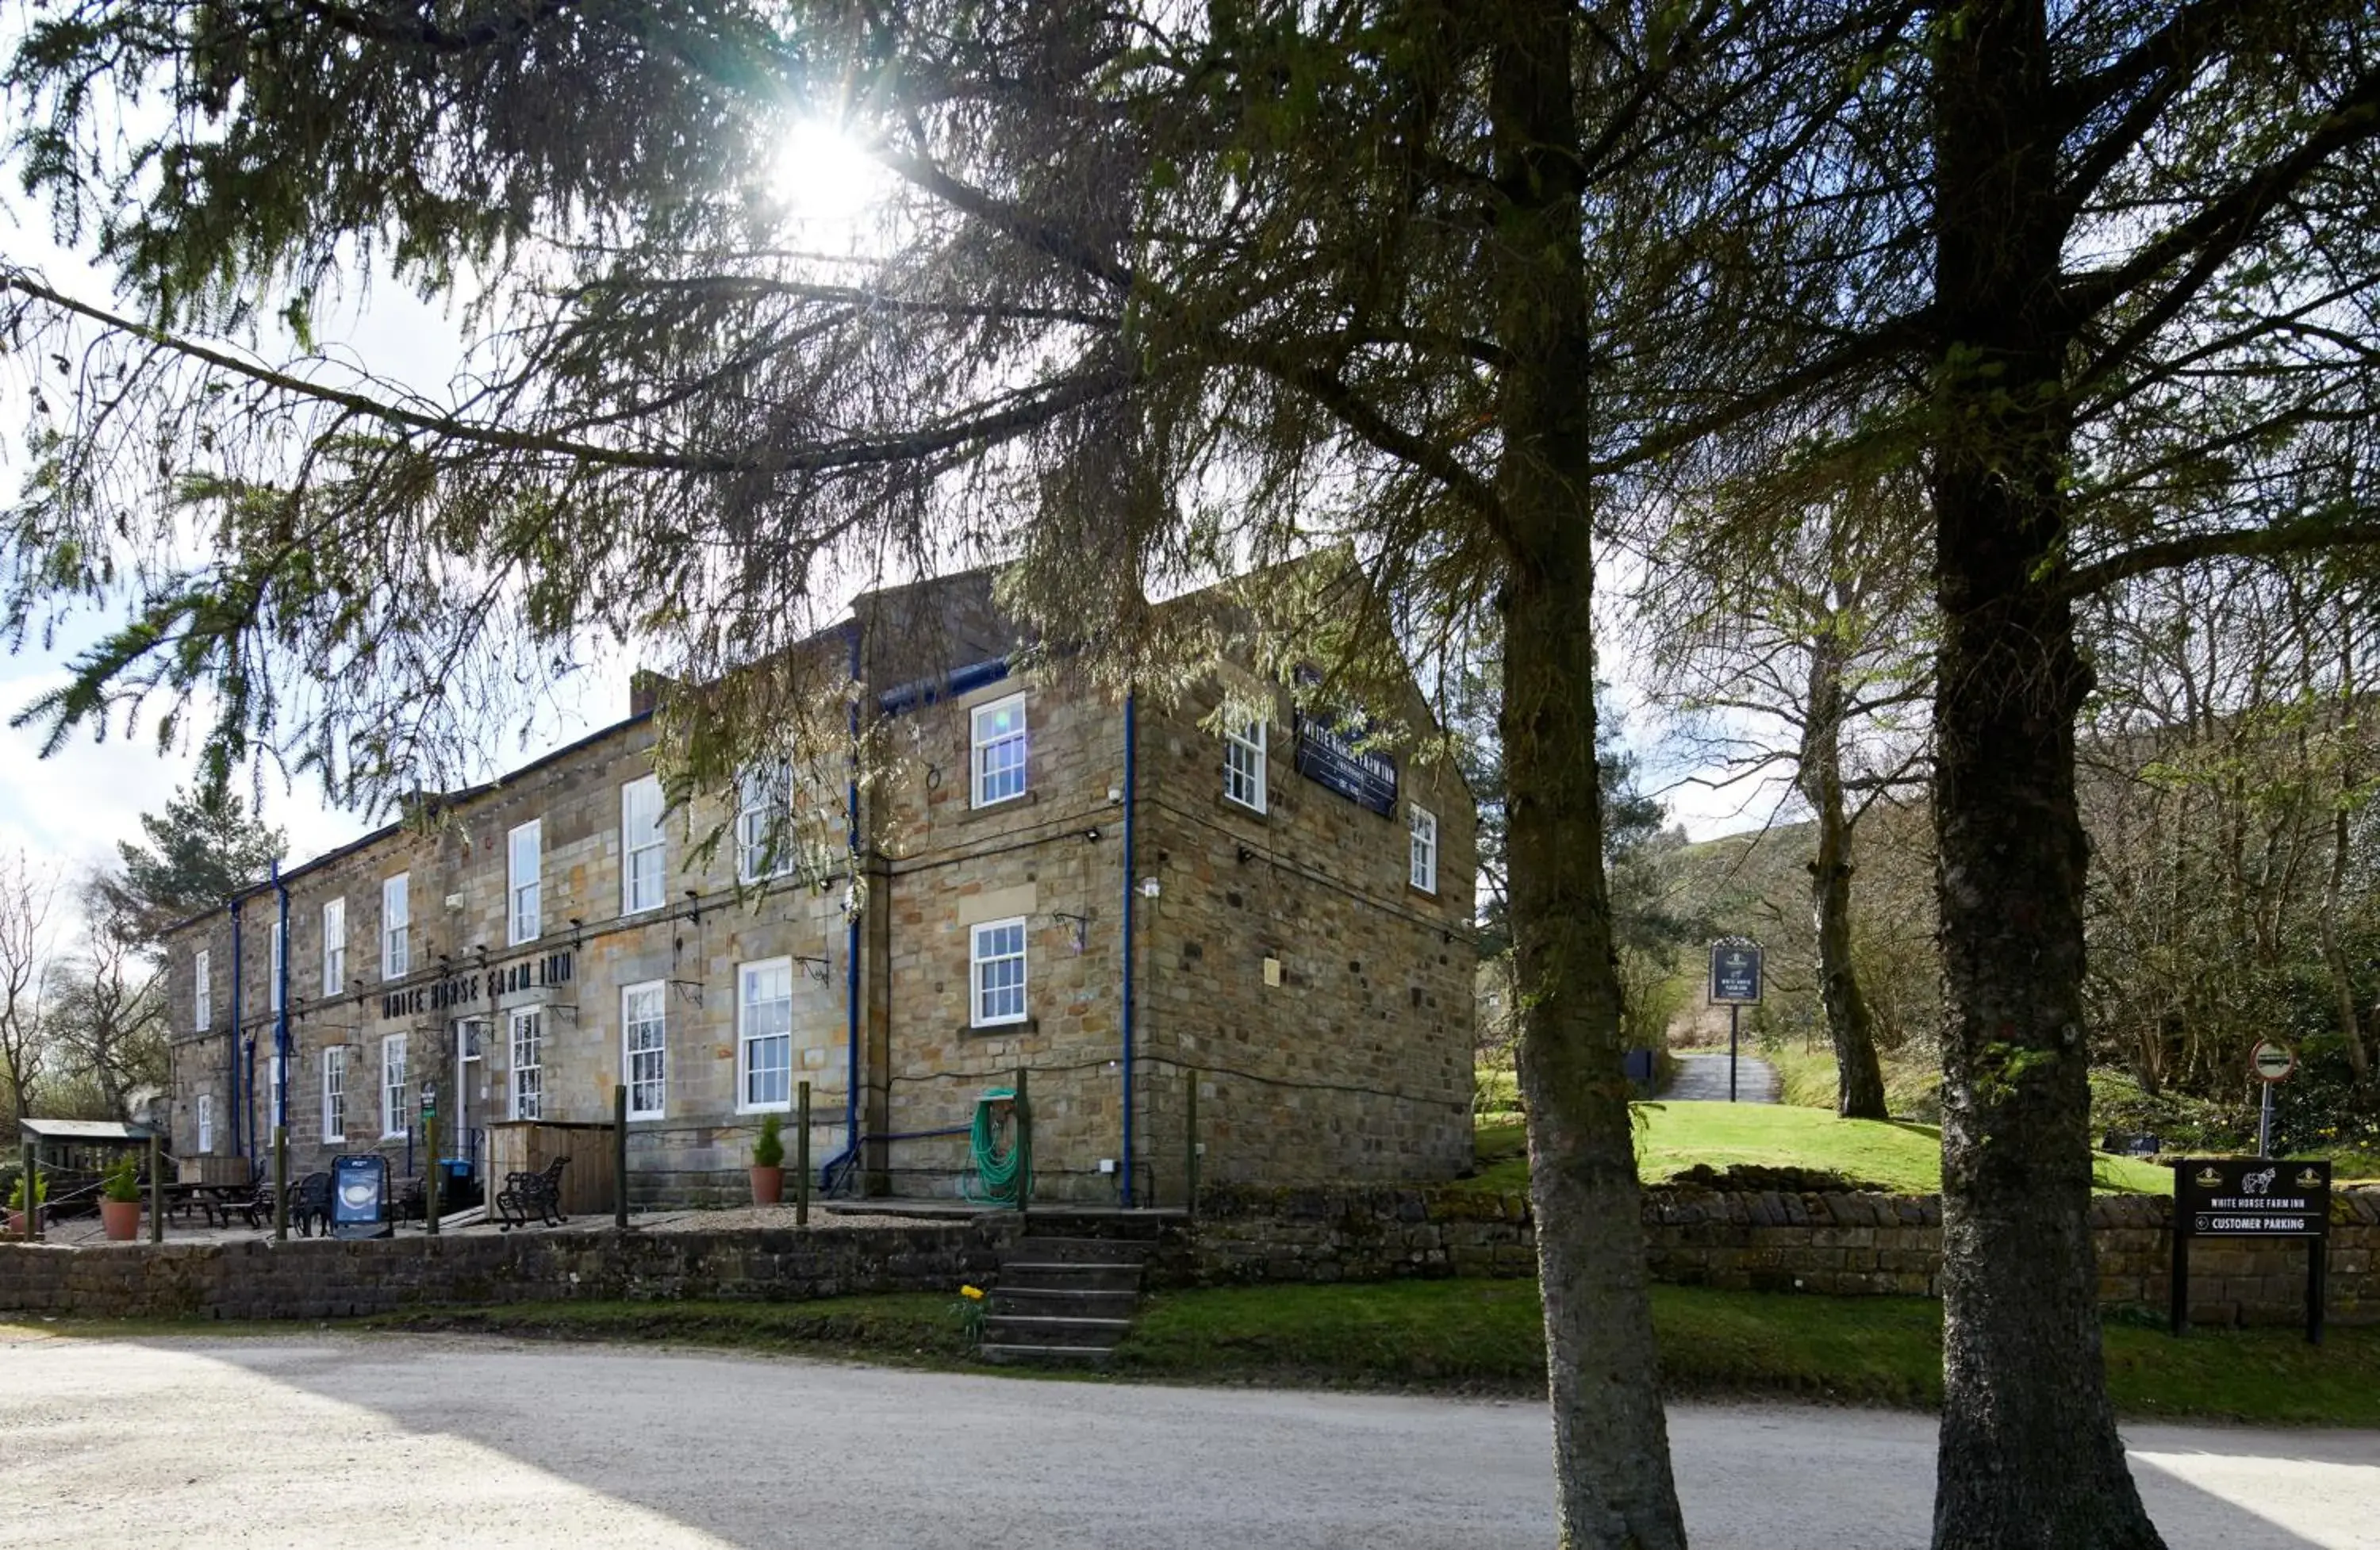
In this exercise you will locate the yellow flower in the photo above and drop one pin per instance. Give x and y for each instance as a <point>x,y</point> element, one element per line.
<point>973,1294</point>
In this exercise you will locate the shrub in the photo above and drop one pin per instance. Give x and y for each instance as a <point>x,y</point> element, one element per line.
<point>122,1181</point>
<point>769,1149</point>
<point>16,1192</point>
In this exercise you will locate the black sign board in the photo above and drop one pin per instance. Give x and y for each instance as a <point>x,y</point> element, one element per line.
<point>468,990</point>
<point>2250,1197</point>
<point>1330,751</point>
<point>360,1196</point>
<point>1735,973</point>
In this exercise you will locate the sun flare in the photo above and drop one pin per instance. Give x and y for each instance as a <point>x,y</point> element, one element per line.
<point>823,173</point>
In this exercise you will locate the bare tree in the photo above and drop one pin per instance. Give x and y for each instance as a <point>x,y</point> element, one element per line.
<point>26,897</point>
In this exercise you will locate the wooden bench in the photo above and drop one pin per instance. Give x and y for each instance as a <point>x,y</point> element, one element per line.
<point>539,1192</point>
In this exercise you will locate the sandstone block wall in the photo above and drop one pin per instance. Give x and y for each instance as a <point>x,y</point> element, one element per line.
<point>1831,1243</point>
<point>325,1279</point>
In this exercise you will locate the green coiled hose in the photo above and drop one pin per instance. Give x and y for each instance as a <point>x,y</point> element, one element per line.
<point>1002,1177</point>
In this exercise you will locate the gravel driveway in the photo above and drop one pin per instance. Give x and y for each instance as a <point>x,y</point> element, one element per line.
<point>410,1440</point>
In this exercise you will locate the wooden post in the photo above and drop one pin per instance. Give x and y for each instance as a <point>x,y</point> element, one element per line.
<point>802,1157</point>
<point>156,1192</point>
<point>2177,1294</point>
<point>29,1178</point>
<point>619,1157</point>
<point>280,1184</point>
<point>1190,1160</point>
<point>430,1182</point>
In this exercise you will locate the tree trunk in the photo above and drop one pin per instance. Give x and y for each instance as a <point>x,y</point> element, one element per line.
<point>1611,1447</point>
<point>1859,1078</point>
<point>2029,1455</point>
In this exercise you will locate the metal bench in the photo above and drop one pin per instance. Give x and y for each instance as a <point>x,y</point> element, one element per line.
<point>310,1204</point>
<point>539,1192</point>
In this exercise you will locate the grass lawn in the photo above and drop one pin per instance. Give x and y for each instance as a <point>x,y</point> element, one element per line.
<point>1890,1155</point>
<point>1463,1335</point>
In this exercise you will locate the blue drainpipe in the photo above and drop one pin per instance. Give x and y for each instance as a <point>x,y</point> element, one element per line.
<point>280,1116</point>
<point>851,926</point>
<point>1130,759</point>
<point>238,1100</point>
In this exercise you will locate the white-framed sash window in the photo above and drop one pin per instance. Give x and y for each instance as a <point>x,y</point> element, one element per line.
<point>528,1084</point>
<point>335,1092</point>
<point>206,1124</point>
<point>997,741</point>
<point>996,965</point>
<point>764,822</point>
<point>396,926</point>
<point>393,1122</point>
<point>764,1015</point>
<point>644,854</point>
<point>334,946</point>
<point>1244,764</point>
<point>1422,828</point>
<point>524,863</point>
<point>203,992</point>
<point>644,1048</point>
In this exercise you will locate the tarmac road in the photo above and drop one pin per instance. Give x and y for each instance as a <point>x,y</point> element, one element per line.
<point>408,1440</point>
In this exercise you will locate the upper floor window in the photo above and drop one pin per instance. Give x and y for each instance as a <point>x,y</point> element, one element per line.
<point>997,962</point>
<point>1244,764</point>
<point>396,926</point>
<point>272,983</point>
<point>524,856</point>
<point>999,750</point>
<point>203,992</point>
<point>1422,825</point>
<point>334,946</point>
<point>764,822</point>
<point>643,876</point>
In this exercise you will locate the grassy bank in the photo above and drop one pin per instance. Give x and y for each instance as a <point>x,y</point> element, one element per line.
<point>1890,1155</point>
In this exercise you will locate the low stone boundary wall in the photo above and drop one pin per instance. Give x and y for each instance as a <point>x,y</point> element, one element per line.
<point>330,1279</point>
<point>1838,1243</point>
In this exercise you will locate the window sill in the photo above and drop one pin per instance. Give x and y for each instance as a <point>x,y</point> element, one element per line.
<point>1419,893</point>
<point>784,1108</point>
<point>1026,1025</point>
<point>1241,810</point>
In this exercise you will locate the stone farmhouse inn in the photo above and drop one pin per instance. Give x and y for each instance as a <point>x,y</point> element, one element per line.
<point>1096,889</point>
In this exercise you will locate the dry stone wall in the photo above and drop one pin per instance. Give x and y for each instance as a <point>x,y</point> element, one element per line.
<point>327,1278</point>
<point>1837,1243</point>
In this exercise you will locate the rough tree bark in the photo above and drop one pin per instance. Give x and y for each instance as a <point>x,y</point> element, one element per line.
<point>1859,1078</point>
<point>1611,1438</point>
<point>2029,1455</point>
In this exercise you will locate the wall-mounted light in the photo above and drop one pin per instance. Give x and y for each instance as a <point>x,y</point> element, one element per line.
<point>1246,855</point>
<point>1082,925</point>
<point>1092,835</point>
<point>814,967</point>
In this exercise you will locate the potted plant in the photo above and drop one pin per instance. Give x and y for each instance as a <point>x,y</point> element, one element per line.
<point>16,1202</point>
<point>119,1203</point>
<point>769,1162</point>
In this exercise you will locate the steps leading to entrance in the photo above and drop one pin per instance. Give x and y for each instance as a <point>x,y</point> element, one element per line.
<point>1063,1299</point>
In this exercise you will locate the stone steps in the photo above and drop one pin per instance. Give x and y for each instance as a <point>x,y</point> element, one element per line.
<point>1063,1299</point>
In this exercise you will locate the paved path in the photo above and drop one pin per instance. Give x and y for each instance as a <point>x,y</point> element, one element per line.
<point>1703,1078</point>
<point>417,1441</point>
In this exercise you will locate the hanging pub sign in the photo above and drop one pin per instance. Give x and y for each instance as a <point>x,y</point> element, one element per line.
<point>1330,752</point>
<point>2250,1197</point>
<point>1734,972</point>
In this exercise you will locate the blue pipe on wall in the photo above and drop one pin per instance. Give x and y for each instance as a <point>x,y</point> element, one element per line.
<point>281,1051</point>
<point>851,926</point>
<point>1130,763</point>
<point>240,1145</point>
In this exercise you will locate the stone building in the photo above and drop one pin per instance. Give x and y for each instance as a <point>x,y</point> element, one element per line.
<point>1097,890</point>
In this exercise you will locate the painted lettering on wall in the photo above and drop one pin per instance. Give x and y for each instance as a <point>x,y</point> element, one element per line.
<point>464,990</point>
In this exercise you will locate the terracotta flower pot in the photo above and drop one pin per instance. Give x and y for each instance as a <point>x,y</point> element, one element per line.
<point>768,1185</point>
<point>17,1224</point>
<point>121,1218</point>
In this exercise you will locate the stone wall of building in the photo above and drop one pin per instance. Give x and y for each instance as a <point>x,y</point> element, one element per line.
<point>1832,1244</point>
<point>1322,1001</point>
<point>1355,1065</point>
<point>324,1279</point>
